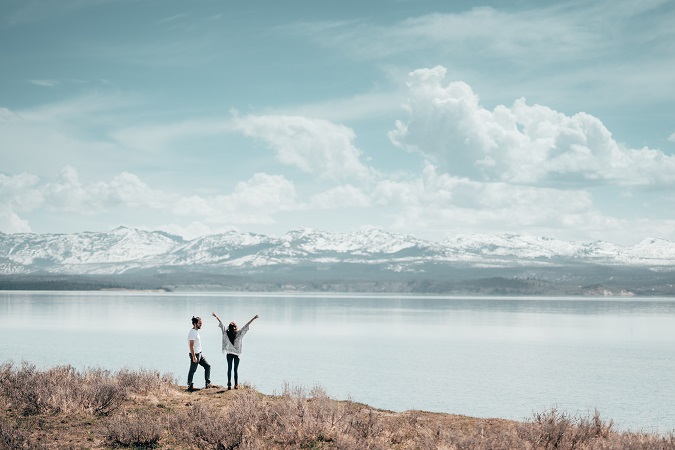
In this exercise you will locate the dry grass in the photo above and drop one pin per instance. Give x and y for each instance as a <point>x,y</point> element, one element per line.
<point>61,408</point>
<point>134,430</point>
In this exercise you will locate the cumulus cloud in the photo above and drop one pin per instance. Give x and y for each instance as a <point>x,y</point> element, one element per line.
<point>671,138</point>
<point>10,222</point>
<point>314,146</point>
<point>20,192</point>
<point>346,196</point>
<point>520,144</point>
<point>68,193</point>
<point>253,201</point>
<point>443,204</point>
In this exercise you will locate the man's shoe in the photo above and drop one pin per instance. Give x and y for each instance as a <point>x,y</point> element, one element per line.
<point>190,388</point>
<point>208,385</point>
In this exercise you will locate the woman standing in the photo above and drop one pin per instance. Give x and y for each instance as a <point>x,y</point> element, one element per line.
<point>232,338</point>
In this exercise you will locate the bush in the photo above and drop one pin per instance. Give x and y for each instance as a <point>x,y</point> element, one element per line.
<point>134,430</point>
<point>104,397</point>
<point>205,427</point>
<point>13,438</point>
<point>557,430</point>
<point>144,381</point>
<point>61,389</point>
<point>246,419</point>
<point>64,389</point>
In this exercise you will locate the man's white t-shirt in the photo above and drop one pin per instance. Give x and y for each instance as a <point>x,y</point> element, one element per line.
<point>193,335</point>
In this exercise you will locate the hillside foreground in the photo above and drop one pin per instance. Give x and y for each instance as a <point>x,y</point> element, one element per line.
<point>62,408</point>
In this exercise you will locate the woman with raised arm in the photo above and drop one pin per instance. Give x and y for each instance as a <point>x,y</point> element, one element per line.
<point>232,338</point>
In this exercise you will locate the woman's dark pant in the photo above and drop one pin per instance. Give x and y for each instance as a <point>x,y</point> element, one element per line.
<point>230,359</point>
<point>201,361</point>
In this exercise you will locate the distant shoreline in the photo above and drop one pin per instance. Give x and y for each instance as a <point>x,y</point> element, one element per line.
<point>599,281</point>
<point>351,294</point>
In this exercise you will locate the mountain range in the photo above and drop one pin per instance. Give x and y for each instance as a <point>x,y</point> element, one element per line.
<point>301,256</point>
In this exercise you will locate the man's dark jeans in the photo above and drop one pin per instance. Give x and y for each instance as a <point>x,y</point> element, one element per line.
<point>232,359</point>
<point>201,361</point>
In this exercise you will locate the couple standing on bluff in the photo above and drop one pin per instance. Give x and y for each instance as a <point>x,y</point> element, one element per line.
<point>232,338</point>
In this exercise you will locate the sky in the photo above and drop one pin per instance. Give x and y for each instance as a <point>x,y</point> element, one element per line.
<point>428,118</point>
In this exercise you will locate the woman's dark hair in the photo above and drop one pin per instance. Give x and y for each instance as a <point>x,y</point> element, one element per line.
<point>232,332</point>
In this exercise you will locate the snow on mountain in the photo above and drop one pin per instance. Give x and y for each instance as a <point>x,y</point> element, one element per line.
<point>9,267</point>
<point>216,248</point>
<point>121,245</point>
<point>655,251</point>
<point>370,242</point>
<point>124,249</point>
<point>512,245</point>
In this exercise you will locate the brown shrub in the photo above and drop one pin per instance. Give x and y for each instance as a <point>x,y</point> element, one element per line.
<point>61,389</point>
<point>143,381</point>
<point>15,439</point>
<point>64,389</point>
<point>203,426</point>
<point>296,418</point>
<point>134,430</point>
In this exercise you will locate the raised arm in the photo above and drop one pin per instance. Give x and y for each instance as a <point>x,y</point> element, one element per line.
<point>249,322</point>
<point>214,315</point>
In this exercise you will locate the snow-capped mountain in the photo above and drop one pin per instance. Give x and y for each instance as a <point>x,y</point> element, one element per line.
<point>124,250</point>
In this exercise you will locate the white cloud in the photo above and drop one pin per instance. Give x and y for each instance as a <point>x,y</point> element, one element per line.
<point>671,138</point>
<point>522,144</point>
<point>346,196</point>
<point>542,34</point>
<point>434,191</point>
<point>263,193</point>
<point>129,190</point>
<point>10,222</point>
<point>20,192</point>
<point>314,146</point>
<point>68,193</point>
<point>253,201</point>
<point>357,107</point>
<point>437,204</point>
<point>550,49</point>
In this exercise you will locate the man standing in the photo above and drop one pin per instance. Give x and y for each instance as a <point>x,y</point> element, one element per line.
<point>196,358</point>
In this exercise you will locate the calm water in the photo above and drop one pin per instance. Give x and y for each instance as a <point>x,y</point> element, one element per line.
<point>481,357</point>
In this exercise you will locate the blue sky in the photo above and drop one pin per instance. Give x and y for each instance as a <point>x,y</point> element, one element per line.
<point>429,118</point>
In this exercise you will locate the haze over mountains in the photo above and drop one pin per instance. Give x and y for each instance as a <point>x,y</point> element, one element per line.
<point>306,259</point>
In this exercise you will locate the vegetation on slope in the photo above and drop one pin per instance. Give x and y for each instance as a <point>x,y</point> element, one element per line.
<point>62,408</point>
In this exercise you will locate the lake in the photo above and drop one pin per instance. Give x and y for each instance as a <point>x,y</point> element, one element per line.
<point>483,357</point>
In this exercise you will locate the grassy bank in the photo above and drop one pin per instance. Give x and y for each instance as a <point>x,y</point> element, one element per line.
<point>62,408</point>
